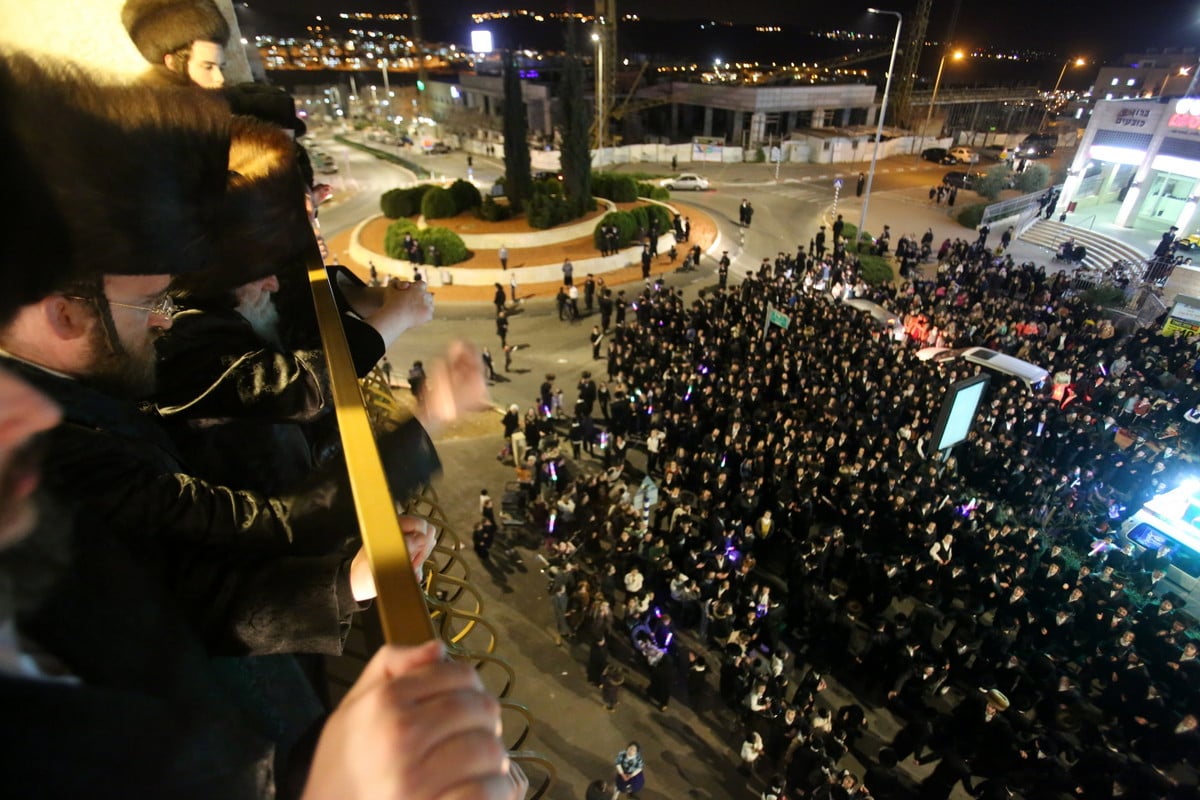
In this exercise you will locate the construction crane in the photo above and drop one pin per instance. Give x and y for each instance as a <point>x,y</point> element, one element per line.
<point>903,87</point>
<point>605,37</point>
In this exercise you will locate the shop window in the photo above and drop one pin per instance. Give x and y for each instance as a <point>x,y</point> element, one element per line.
<point>1131,82</point>
<point>1115,81</point>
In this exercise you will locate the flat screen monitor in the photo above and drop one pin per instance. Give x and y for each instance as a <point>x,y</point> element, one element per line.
<point>958,411</point>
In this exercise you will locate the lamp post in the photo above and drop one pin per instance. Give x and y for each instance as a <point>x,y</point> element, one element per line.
<point>879,127</point>
<point>601,117</point>
<point>1078,62</point>
<point>957,55</point>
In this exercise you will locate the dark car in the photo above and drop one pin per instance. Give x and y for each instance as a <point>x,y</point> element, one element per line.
<point>546,175</point>
<point>1038,145</point>
<point>935,154</point>
<point>439,148</point>
<point>961,180</point>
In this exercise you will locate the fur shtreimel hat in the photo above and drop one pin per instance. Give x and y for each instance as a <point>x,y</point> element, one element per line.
<point>159,27</point>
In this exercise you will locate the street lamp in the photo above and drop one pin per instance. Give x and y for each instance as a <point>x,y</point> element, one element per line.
<point>887,86</point>
<point>957,55</point>
<point>601,117</point>
<point>1078,62</point>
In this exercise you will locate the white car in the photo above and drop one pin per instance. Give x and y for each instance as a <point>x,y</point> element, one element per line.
<point>687,180</point>
<point>1033,376</point>
<point>963,155</point>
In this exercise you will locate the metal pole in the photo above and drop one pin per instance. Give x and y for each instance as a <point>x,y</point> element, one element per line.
<point>933,99</point>
<point>879,127</point>
<point>1057,83</point>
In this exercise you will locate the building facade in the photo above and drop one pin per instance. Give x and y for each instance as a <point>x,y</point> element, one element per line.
<point>1140,161</point>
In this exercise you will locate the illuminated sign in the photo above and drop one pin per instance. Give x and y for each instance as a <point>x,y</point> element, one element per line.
<point>1187,114</point>
<point>481,41</point>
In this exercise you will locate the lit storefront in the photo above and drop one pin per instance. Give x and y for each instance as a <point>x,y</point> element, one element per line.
<point>1139,160</point>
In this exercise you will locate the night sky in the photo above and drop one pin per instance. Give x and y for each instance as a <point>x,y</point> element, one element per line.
<point>1097,28</point>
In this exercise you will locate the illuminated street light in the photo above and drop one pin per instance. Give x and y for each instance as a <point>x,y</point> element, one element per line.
<point>1078,62</point>
<point>887,86</point>
<point>957,55</point>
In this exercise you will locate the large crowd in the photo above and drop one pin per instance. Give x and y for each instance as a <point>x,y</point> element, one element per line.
<point>800,523</point>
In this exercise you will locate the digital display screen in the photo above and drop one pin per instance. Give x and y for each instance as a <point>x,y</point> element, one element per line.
<point>958,411</point>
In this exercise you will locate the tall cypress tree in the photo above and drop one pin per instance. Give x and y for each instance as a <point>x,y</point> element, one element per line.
<point>576,152</point>
<point>518,180</point>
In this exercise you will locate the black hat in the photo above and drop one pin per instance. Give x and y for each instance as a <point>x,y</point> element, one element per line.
<point>141,172</point>
<point>159,27</point>
<point>268,103</point>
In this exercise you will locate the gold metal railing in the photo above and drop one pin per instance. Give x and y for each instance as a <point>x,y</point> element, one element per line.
<point>447,605</point>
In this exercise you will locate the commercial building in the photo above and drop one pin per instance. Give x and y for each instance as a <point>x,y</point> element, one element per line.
<point>1138,165</point>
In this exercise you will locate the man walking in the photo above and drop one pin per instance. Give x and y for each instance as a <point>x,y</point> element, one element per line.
<point>597,338</point>
<point>568,271</point>
<point>502,327</point>
<point>589,292</point>
<point>723,270</point>
<point>503,257</point>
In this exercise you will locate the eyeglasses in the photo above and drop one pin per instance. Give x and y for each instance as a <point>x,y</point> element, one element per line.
<point>164,307</point>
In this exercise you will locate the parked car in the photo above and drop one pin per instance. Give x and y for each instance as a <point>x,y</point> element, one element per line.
<point>997,152</point>
<point>439,148</point>
<point>547,175</point>
<point>885,320</point>
<point>1033,376</point>
<point>1189,242</point>
<point>961,180</point>
<point>935,154</point>
<point>687,180</point>
<point>962,155</point>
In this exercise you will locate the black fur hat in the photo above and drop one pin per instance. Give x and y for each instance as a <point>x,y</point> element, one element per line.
<point>159,27</point>
<point>117,180</point>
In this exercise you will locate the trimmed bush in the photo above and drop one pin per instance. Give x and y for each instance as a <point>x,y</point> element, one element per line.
<point>466,196</point>
<point>546,208</point>
<point>659,193</point>
<point>1035,178</point>
<point>994,182</point>
<point>393,240</point>
<point>602,185</point>
<point>624,189</point>
<point>971,216</point>
<point>875,269</point>
<point>491,211</point>
<point>438,203</point>
<point>450,246</point>
<point>644,188</point>
<point>396,203</point>
<point>626,227</point>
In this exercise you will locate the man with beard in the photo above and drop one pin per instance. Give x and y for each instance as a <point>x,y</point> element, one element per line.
<point>234,395</point>
<point>106,691</point>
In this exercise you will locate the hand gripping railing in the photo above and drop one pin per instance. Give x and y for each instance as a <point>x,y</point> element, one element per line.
<point>408,615</point>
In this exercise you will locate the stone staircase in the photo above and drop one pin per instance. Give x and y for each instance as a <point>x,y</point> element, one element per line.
<point>1102,250</point>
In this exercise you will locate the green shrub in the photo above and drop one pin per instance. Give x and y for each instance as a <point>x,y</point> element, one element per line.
<point>660,193</point>
<point>602,184</point>
<point>466,196</point>
<point>626,227</point>
<point>1103,295</point>
<point>438,203</point>
<point>393,240</point>
<point>995,181</point>
<point>971,215</point>
<point>546,208</point>
<point>450,246</point>
<point>396,203</point>
<point>875,269</point>
<point>1035,178</point>
<point>491,211</point>
<point>624,189</point>
<point>644,189</point>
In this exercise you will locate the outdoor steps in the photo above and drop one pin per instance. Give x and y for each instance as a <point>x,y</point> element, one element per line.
<point>1102,250</point>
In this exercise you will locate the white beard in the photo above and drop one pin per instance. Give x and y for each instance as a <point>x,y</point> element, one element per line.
<point>263,317</point>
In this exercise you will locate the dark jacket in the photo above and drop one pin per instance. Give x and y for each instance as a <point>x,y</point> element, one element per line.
<point>254,574</point>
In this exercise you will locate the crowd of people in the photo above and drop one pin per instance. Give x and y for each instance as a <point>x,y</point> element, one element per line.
<point>178,544</point>
<point>799,523</point>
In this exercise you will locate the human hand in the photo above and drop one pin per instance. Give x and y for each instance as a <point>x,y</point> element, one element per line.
<point>414,727</point>
<point>419,537</point>
<point>454,386</point>
<point>395,308</point>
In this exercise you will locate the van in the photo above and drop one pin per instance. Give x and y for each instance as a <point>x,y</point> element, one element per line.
<point>1038,145</point>
<point>888,321</point>
<point>1170,520</point>
<point>1033,376</point>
